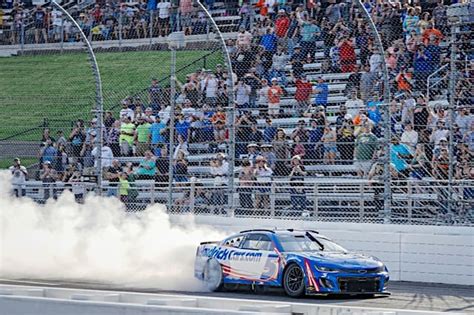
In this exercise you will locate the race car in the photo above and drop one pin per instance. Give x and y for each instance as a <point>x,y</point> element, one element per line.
<point>300,261</point>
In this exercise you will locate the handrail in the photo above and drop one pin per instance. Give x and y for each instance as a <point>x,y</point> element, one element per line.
<point>428,80</point>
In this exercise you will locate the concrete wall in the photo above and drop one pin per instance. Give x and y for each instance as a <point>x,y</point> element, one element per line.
<point>438,254</point>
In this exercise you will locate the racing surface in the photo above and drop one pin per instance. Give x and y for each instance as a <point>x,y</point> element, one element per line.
<point>405,295</point>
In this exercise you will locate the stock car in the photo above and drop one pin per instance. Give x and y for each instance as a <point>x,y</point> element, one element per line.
<point>303,262</point>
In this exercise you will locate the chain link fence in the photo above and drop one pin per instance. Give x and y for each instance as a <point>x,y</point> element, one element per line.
<point>342,111</point>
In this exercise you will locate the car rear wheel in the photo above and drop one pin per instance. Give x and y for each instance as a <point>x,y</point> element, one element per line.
<point>213,275</point>
<point>293,281</point>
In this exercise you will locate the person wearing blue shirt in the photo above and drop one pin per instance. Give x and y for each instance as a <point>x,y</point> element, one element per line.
<point>399,155</point>
<point>49,153</point>
<point>155,131</point>
<point>310,32</point>
<point>373,112</point>
<point>322,92</point>
<point>269,41</point>
<point>422,68</point>
<point>269,132</point>
<point>182,127</point>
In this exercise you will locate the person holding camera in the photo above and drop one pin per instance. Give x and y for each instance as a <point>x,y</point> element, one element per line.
<point>19,177</point>
<point>48,176</point>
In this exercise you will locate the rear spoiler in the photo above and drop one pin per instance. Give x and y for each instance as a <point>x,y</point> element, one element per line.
<point>210,242</point>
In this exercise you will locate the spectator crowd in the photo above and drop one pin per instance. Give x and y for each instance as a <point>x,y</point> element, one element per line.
<point>308,87</point>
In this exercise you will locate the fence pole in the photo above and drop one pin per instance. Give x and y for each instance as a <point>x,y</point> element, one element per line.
<point>452,96</point>
<point>120,29</point>
<point>99,100</point>
<point>62,35</point>
<point>171,125</point>
<point>22,36</point>
<point>152,13</point>
<point>386,118</point>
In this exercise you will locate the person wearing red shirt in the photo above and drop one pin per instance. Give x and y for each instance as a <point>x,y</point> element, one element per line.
<point>282,24</point>
<point>431,31</point>
<point>304,88</point>
<point>274,94</point>
<point>347,55</point>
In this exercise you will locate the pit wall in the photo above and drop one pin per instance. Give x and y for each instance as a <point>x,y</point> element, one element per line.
<point>436,254</point>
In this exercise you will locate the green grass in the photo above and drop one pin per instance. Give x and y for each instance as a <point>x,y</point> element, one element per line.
<point>25,161</point>
<point>61,88</point>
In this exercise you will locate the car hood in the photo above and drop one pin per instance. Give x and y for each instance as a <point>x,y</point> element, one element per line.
<point>341,260</point>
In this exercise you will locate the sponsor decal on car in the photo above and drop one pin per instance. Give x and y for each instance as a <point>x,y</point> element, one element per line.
<point>224,254</point>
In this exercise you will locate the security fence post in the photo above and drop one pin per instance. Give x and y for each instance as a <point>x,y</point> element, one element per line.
<point>99,101</point>
<point>171,126</point>
<point>452,104</point>
<point>386,118</point>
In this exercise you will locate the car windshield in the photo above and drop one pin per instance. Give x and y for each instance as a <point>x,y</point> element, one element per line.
<point>307,243</point>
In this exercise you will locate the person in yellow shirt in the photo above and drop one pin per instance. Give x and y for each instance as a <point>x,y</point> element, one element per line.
<point>127,133</point>
<point>124,187</point>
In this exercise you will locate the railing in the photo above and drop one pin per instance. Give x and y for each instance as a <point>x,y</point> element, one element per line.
<point>431,76</point>
<point>323,199</point>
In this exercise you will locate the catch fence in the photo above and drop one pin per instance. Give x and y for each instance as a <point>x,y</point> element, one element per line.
<point>340,112</point>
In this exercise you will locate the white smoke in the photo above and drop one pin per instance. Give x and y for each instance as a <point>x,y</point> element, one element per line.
<point>96,241</point>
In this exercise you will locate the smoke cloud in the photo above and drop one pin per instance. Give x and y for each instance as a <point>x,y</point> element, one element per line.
<point>97,241</point>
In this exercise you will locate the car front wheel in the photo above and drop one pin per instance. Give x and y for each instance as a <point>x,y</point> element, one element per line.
<point>293,281</point>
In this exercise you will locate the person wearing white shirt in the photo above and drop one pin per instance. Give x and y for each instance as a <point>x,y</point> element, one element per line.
<point>57,18</point>
<point>242,94</point>
<point>354,104</point>
<point>164,17</point>
<point>107,156</point>
<point>19,174</point>
<point>210,87</point>
<point>440,133</point>
<point>126,112</point>
<point>409,137</point>
<point>375,61</point>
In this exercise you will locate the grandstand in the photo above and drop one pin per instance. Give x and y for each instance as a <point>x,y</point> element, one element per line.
<point>310,106</point>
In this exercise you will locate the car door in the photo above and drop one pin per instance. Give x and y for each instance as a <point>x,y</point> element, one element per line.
<point>256,259</point>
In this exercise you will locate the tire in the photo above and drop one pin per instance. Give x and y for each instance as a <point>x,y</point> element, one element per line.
<point>213,275</point>
<point>293,281</point>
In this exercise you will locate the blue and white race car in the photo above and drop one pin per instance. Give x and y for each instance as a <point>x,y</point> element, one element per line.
<point>302,262</point>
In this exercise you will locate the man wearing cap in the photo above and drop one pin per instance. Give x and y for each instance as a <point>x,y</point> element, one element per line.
<point>48,176</point>
<point>19,176</point>
<point>322,92</point>
<point>269,132</point>
<point>126,111</point>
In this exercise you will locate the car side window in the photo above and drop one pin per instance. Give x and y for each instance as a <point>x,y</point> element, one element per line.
<point>234,241</point>
<point>257,242</point>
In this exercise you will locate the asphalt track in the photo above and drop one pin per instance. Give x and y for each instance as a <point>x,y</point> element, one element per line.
<point>405,295</point>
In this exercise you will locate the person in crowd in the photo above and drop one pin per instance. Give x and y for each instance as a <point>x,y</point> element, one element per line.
<point>400,158</point>
<point>420,164</point>
<point>142,136</point>
<point>19,177</point>
<point>297,192</point>
<point>366,144</point>
<point>409,137</point>
<point>329,140</point>
<point>220,171</point>
<point>275,92</point>
<point>303,92</point>
<point>246,183</point>
<point>321,91</point>
<point>147,167</point>
<point>263,174</point>
<point>48,176</point>
<point>127,132</point>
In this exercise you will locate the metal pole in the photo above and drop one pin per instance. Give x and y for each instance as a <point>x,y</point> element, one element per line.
<point>230,112</point>
<point>62,35</point>
<point>452,85</point>
<point>386,115</point>
<point>22,35</point>
<point>151,27</point>
<point>171,126</point>
<point>99,100</point>
<point>120,29</point>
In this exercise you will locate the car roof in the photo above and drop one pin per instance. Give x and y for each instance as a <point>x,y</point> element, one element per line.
<point>282,232</point>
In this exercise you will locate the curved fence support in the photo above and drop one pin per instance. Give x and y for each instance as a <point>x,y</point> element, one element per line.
<point>99,100</point>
